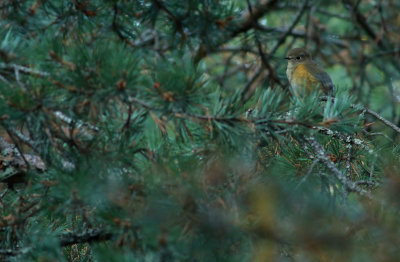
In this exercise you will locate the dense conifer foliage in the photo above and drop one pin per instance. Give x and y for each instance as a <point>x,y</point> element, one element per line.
<point>157,130</point>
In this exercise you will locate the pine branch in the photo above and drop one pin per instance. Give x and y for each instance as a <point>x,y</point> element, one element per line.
<point>66,239</point>
<point>24,69</point>
<point>14,252</point>
<point>366,110</point>
<point>272,121</point>
<point>70,121</point>
<point>380,118</point>
<point>91,235</point>
<point>324,158</point>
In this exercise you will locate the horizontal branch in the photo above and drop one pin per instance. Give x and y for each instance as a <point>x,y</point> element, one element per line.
<point>65,239</point>
<point>372,113</point>
<point>70,121</point>
<point>91,235</point>
<point>321,10</point>
<point>262,120</point>
<point>301,34</point>
<point>24,69</point>
<point>13,252</point>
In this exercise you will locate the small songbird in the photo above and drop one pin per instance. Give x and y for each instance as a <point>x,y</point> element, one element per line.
<point>304,74</point>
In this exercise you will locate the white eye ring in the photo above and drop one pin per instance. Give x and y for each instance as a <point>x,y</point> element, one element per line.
<point>298,58</point>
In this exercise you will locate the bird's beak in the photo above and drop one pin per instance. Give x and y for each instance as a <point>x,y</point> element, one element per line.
<point>287,58</point>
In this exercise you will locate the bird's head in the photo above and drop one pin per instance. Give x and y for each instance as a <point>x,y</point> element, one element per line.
<point>298,56</point>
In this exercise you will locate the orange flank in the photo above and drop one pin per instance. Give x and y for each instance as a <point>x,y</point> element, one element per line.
<point>302,78</point>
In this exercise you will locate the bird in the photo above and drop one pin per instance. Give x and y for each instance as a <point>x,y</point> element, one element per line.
<point>305,75</point>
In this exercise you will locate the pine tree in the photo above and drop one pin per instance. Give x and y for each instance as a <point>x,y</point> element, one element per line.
<point>158,130</point>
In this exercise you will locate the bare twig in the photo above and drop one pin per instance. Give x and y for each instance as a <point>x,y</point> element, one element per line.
<point>365,25</point>
<point>133,99</point>
<point>2,78</point>
<point>380,118</point>
<point>296,19</point>
<point>3,193</point>
<point>320,10</point>
<point>128,120</point>
<point>24,69</point>
<point>263,56</point>
<point>314,163</point>
<point>17,77</point>
<point>246,22</point>
<point>115,25</point>
<point>24,139</point>
<point>174,18</point>
<point>237,49</point>
<point>11,135</point>
<point>348,160</point>
<point>362,21</point>
<point>301,34</point>
<point>365,182</point>
<point>251,85</point>
<point>248,19</point>
<point>70,121</point>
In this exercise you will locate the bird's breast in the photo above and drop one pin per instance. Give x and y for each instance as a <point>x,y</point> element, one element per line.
<point>300,79</point>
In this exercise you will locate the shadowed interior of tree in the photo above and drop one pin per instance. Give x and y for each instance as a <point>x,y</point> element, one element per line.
<point>159,130</point>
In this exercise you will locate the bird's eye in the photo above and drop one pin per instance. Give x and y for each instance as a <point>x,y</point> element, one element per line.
<point>298,58</point>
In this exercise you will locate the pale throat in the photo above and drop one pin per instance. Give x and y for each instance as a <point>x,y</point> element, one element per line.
<point>290,69</point>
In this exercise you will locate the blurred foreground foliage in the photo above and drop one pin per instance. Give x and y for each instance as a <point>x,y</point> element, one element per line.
<point>165,131</point>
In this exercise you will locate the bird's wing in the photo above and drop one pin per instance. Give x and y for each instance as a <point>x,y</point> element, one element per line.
<point>321,76</point>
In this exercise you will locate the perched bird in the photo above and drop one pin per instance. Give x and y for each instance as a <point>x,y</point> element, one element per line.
<point>305,75</point>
